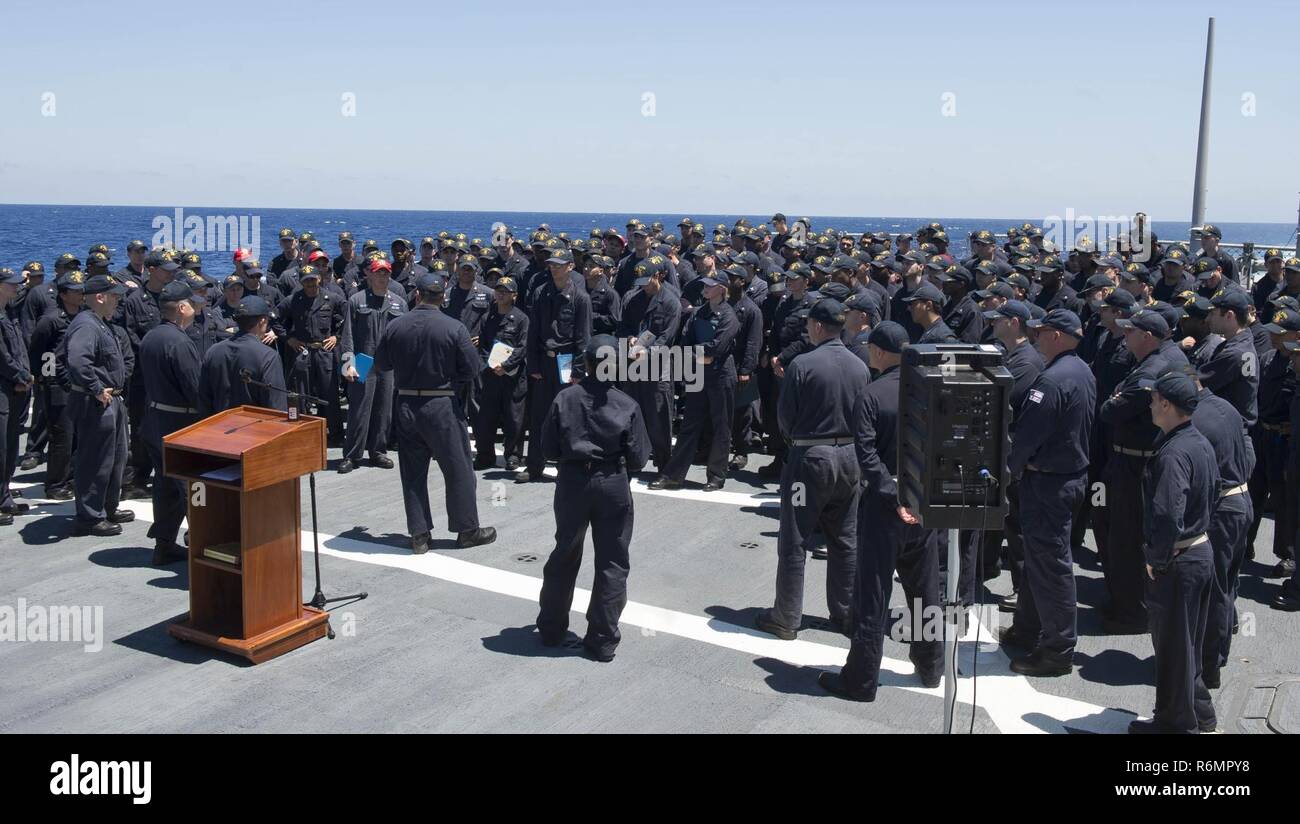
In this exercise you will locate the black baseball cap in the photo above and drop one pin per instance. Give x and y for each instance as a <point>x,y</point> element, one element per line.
<point>1011,309</point>
<point>828,310</point>
<point>1061,319</point>
<point>926,291</point>
<point>104,283</point>
<point>1147,320</point>
<point>175,291</point>
<point>888,337</point>
<point>1284,320</point>
<point>1176,387</point>
<point>999,289</point>
<point>252,306</point>
<point>1235,299</point>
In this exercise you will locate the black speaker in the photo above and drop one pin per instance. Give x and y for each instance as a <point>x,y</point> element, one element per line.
<point>953,419</point>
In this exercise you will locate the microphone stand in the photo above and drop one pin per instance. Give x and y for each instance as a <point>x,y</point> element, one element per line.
<point>318,600</point>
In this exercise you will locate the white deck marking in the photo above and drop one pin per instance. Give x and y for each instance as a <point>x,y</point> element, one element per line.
<point>1010,700</point>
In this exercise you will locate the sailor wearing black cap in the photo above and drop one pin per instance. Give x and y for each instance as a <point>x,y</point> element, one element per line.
<point>139,313</point>
<point>221,377</point>
<point>1054,292</point>
<point>1195,325</point>
<point>16,382</point>
<point>49,370</point>
<point>745,353</point>
<point>712,329</point>
<point>960,313</point>
<point>1230,520</point>
<point>1173,280</point>
<point>1233,372</point>
<point>862,314</point>
<point>924,306</point>
<point>889,537</point>
<point>469,300</point>
<point>370,401</point>
<point>1132,437</point>
<point>504,385</point>
<point>1010,326</point>
<point>594,433</point>
<point>559,326</point>
<point>1181,483</point>
<point>821,414</point>
<point>97,373</point>
<point>1269,488</point>
<point>432,358</point>
<point>170,362</point>
<point>133,271</point>
<point>649,321</point>
<point>288,253</point>
<point>1049,458</point>
<point>606,303</point>
<point>313,319</point>
<point>1211,236</point>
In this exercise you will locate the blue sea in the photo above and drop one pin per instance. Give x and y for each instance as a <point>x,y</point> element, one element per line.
<point>43,232</point>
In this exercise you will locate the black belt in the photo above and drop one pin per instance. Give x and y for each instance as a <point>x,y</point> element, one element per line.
<point>1136,453</point>
<point>1282,428</point>
<point>166,407</point>
<point>833,441</point>
<point>616,463</point>
<point>426,393</point>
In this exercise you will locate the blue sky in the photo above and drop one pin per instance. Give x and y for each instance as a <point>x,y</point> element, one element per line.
<point>809,107</point>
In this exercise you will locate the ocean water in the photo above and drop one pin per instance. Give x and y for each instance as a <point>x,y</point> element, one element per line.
<point>43,232</point>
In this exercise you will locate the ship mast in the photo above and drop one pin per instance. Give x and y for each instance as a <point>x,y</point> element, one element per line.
<point>1203,138</point>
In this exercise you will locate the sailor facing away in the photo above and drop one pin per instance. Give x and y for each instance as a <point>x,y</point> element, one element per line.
<point>595,433</point>
<point>432,359</point>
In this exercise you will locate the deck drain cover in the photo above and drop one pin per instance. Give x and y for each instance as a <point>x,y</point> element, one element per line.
<point>525,558</point>
<point>749,545</point>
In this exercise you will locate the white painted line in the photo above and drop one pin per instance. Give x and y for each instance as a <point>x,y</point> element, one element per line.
<point>1010,700</point>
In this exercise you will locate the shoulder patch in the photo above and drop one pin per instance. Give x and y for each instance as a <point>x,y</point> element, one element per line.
<point>1035,396</point>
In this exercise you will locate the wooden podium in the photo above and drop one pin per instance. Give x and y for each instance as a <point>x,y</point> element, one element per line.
<point>249,461</point>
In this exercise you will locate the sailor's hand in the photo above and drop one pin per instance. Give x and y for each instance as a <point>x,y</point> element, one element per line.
<point>535,375</point>
<point>329,343</point>
<point>499,369</point>
<point>907,516</point>
<point>295,345</point>
<point>1151,573</point>
<point>743,378</point>
<point>105,397</point>
<point>269,338</point>
<point>350,372</point>
<point>1187,342</point>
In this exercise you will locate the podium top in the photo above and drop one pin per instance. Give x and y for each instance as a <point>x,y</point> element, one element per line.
<point>259,447</point>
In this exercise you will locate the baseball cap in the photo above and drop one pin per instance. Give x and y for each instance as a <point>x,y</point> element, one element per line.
<point>1147,320</point>
<point>1061,319</point>
<point>252,306</point>
<point>889,337</point>
<point>1011,309</point>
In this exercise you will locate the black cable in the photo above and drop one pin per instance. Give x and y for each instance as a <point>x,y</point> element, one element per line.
<point>989,480</point>
<point>956,645</point>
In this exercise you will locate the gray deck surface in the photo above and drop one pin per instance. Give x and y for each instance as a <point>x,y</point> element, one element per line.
<point>443,643</point>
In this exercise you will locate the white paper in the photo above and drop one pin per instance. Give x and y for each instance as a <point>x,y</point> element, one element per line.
<point>499,354</point>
